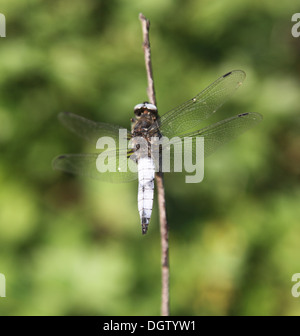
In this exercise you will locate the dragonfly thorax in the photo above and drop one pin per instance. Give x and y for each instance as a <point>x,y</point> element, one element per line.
<point>145,120</point>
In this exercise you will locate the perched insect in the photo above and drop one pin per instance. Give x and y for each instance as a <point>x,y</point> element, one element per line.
<point>135,149</point>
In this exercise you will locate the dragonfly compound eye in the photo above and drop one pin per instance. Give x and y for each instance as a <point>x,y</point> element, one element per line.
<point>150,107</point>
<point>140,108</point>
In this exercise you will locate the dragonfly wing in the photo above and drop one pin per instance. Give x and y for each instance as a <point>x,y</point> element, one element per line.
<point>115,166</point>
<point>226,130</point>
<point>214,135</point>
<point>92,131</point>
<point>189,115</point>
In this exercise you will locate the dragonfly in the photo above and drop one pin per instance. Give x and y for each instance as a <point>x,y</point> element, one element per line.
<point>181,122</point>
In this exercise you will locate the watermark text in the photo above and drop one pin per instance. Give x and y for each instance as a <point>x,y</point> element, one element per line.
<point>2,285</point>
<point>2,25</point>
<point>296,26</point>
<point>295,291</point>
<point>169,155</point>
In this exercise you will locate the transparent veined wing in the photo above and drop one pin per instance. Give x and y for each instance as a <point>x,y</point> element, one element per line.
<point>119,167</point>
<point>188,116</point>
<point>92,131</point>
<point>116,149</point>
<point>217,134</point>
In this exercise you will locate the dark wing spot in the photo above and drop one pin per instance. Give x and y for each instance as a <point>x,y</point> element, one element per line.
<point>242,114</point>
<point>228,73</point>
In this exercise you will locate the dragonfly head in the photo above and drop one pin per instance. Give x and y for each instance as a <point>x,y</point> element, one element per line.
<point>145,109</point>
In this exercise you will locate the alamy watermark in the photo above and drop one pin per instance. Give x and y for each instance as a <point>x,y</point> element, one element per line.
<point>296,278</point>
<point>2,285</point>
<point>2,25</point>
<point>296,27</point>
<point>169,155</point>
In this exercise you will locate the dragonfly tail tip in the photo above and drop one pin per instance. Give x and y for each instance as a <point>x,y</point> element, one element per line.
<point>144,229</point>
<point>144,226</point>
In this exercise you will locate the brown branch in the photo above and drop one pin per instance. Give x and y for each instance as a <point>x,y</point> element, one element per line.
<point>164,236</point>
<point>147,53</point>
<point>165,309</point>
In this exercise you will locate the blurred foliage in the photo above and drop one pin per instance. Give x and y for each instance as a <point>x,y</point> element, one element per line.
<point>71,246</point>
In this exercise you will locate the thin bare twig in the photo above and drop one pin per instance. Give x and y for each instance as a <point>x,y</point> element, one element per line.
<point>165,297</point>
<point>147,53</point>
<point>164,236</point>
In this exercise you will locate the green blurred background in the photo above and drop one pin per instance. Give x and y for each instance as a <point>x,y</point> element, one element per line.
<point>72,246</point>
